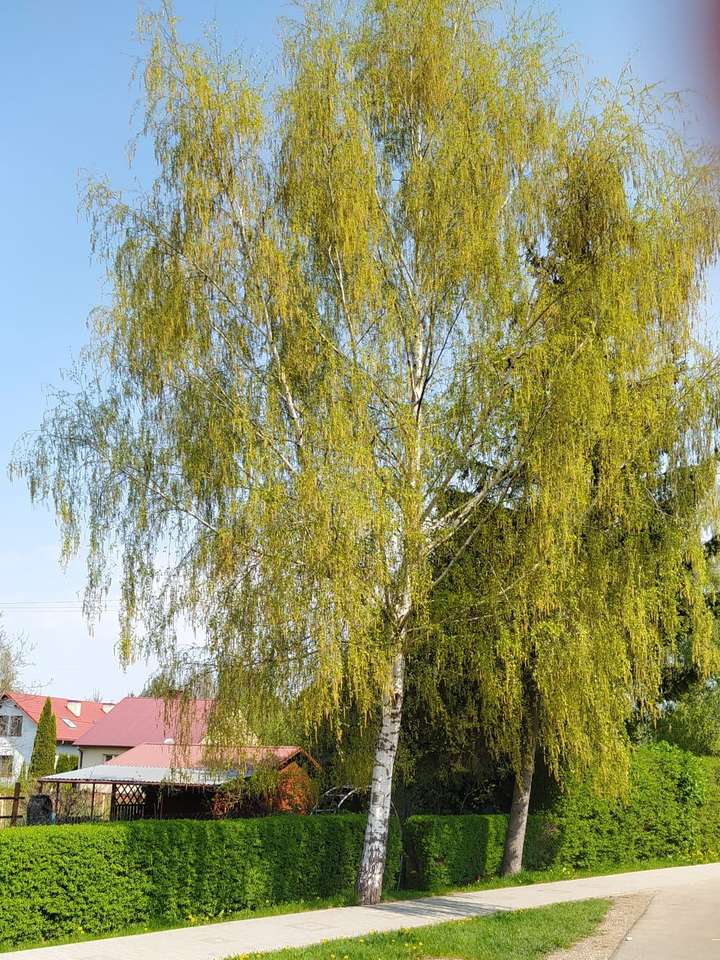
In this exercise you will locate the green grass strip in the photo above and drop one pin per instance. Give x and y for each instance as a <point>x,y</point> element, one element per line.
<point>520,934</point>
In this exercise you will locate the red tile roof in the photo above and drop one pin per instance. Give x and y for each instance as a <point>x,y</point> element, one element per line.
<point>137,720</point>
<point>70,725</point>
<point>191,756</point>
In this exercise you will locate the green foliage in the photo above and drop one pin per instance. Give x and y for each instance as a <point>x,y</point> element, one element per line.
<point>522,935</point>
<point>443,851</point>
<point>42,761</point>
<point>413,270</point>
<point>693,721</point>
<point>65,763</point>
<point>410,271</point>
<point>95,879</point>
<point>672,809</point>
<point>708,841</point>
<point>659,817</point>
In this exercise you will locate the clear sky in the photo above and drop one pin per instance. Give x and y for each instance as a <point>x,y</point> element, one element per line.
<point>67,102</point>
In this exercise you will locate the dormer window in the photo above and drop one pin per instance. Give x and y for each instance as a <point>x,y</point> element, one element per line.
<point>74,706</point>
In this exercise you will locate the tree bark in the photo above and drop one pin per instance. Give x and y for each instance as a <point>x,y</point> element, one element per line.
<point>372,866</point>
<point>517,824</point>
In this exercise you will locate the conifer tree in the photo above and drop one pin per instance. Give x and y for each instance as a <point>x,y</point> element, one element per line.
<point>405,272</point>
<point>42,762</point>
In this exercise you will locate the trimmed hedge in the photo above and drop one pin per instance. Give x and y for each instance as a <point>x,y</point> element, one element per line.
<point>672,809</point>
<point>445,850</point>
<point>62,882</point>
<point>58,882</point>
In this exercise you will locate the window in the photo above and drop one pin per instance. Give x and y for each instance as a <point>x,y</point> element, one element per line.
<point>69,723</point>
<point>6,768</point>
<point>11,726</point>
<point>108,756</point>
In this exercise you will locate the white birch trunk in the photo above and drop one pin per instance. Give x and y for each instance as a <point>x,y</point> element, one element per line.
<point>372,866</point>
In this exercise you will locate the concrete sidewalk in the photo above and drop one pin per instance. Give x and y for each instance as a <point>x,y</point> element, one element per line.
<point>220,940</point>
<point>679,924</point>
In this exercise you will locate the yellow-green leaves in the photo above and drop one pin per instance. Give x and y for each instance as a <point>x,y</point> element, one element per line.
<point>402,306</point>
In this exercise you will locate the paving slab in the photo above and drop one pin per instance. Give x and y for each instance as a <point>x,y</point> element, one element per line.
<point>218,941</point>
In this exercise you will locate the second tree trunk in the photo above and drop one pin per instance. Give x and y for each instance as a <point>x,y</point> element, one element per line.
<point>517,824</point>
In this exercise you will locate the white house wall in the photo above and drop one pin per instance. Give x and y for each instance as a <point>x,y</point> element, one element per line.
<point>19,748</point>
<point>92,756</point>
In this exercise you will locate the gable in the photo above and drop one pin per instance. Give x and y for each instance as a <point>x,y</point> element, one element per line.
<point>73,718</point>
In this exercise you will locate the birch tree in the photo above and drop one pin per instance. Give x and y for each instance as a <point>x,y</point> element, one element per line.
<point>591,577</point>
<point>325,314</point>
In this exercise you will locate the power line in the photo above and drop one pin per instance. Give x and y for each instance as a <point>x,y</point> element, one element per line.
<point>51,606</point>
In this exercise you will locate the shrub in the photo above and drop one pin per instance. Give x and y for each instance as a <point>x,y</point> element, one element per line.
<point>658,818</point>
<point>66,762</point>
<point>446,850</point>
<point>672,809</point>
<point>100,878</point>
<point>42,761</point>
<point>693,721</point>
<point>708,838</point>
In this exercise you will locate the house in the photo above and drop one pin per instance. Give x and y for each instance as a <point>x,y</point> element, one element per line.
<point>168,781</point>
<point>19,717</point>
<point>138,720</point>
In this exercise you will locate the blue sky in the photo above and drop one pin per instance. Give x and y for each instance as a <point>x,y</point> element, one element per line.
<point>67,103</point>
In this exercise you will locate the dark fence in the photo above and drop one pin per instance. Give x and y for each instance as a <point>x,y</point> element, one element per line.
<point>14,803</point>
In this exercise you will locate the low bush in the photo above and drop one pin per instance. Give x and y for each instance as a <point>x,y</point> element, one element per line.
<point>671,810</point>
<point>708,835</point>
<point>69,881</point>
<point>659,817</point>
<point>445,850</point>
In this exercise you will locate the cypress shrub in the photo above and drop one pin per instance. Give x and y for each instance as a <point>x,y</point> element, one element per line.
<point>101,878</point>
<point>42,761</point>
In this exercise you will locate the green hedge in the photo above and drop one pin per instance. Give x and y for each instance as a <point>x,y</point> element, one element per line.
<point>672,809</point>
<point>445,850</point>
<point>58,882</point>
<point>659,818</point>
<point>95,879</point>
<point>708,837</point>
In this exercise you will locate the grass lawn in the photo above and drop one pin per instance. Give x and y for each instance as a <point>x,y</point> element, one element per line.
<point>520,935</point>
